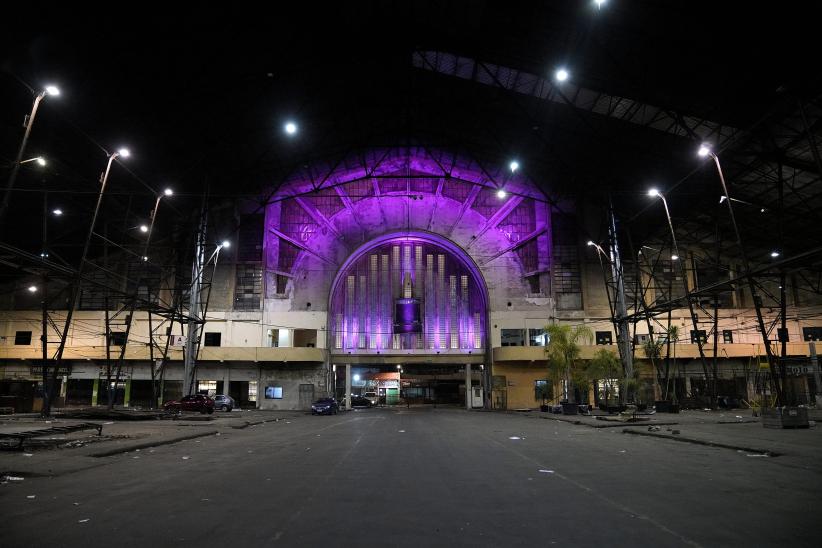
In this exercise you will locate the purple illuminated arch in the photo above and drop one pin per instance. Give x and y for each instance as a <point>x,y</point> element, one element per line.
<point>396,278</point>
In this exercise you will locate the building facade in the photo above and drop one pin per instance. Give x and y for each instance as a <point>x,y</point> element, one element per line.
<point>417,274</point>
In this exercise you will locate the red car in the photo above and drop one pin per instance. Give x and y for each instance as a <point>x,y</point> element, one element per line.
<point>196,402</point>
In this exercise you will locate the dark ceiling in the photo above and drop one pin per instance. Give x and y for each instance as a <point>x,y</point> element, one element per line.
<point>200,97</point>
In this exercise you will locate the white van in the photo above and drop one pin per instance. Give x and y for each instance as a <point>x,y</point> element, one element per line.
<point>372,397</point>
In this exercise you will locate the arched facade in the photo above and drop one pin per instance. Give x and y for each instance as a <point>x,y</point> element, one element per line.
<point>408,292</point>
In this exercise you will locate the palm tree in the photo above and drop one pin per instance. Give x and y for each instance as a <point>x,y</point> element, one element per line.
<point>563,352</point>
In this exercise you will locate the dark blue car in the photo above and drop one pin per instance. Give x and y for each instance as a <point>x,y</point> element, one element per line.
<point>325,406</point>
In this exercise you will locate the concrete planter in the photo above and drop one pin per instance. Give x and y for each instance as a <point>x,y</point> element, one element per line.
<point>785,417</point>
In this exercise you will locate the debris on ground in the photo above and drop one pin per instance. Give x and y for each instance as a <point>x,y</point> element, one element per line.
<point>31,496</point>
<point>675,432</point>
<point>514,438</point>
<point>13,478</point>
<point>654,429</point>
<point>546,471</point>
<point>186,458</point>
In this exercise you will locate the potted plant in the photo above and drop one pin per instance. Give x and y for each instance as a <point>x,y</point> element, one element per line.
<point>563,352</point>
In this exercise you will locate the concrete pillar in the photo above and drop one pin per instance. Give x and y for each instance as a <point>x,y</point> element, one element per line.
<point>226,380</point>
<point>127,394</point>
<point>260,387</point>
<point>348,386</point>
<point>468,386</point>
<point>95,389</point>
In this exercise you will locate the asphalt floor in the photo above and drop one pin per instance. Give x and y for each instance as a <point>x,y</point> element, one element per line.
<point>412,477</point>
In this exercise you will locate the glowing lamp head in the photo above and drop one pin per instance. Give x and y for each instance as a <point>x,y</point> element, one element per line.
<point>40,161</point>
<point>514,166</point>
<point>225,244</point>
<point>774,254</point>
<point>674,257</point>
<point>32,289</point>
<point>501,194</point>
<point>591,243</point>
<point>168,192</point>
<point>356,378</point>
<point>124,153</point>
<point>653,193</point>
<point>54,91</point>
<point>290,128</point>
<point>57,212</point>
<point>145,259</point>
<point>561,75</point>
<point>703,151</point>
<point>143,228</point>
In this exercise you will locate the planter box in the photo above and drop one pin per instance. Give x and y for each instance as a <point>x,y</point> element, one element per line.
<point>664,406</point>
<point>570,409</point>
<point>785,417</point>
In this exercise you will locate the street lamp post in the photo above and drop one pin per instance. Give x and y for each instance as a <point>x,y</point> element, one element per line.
<point>675,257</point>
<point>133,305</point>
<point>78,278</point>
<point>705,150</point>
<point>50,90</point>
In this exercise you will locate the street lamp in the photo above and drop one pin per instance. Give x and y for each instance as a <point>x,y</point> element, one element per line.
<point>29,121</point>
<point>39,159</point>
<point>290,128</point>
<point>514,166</point>
<point>704,151</point>
<point>561,74</point>
<point>147,229</point>
<point>75,294</point>
<point>656,193</point>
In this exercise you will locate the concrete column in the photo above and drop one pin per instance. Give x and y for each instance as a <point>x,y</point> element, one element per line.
<point>226,380</point>
<point>260,387</point>
<point>127,394</point>
<point>468,386</point>
<point>95,389</point>
<point>348,386</point>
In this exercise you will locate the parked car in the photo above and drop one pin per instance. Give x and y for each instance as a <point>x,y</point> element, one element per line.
<point>372,397</point>
<point>224,403</point>
<point>195,402</point>
<point>360,401</point>
<point>325,406</point>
